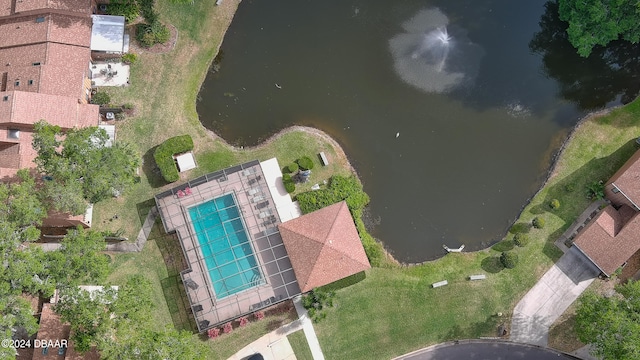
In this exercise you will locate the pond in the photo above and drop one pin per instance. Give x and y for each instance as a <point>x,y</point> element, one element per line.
<point>450,111</point>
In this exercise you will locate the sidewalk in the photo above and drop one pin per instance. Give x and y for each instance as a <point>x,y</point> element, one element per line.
<point>273,346</point>
<point>307,326</point>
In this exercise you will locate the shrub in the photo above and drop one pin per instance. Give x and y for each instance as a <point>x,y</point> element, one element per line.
<point>259,315</point>
<point>509,259</point>
<point>569,187</point>
<point>127,8</point>
<point>130,58</point>
<point>305,163</point>
<point>147,11</point>
<point>538,222</point>
<point>316,301</point>
<point>227,328</point>
<point>519,228</point>
<point>100,98</point>
<point>163,155</point>
<point>290,187</point>
<point>161,32</point>
<point>292,168</point>
<point>128,106</point>
<point>521,239</point>
<point>554,204</point>
<point>243,321</point>
<point>144,35</point>
<point>595,190</point>
<point>213,333</point>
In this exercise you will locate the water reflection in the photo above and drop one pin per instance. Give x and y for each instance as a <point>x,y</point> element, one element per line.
<point>431,57</point>
<point>607,77</point>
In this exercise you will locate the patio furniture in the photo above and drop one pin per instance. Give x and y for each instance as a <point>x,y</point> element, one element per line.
<point>187,190</point>
<point>197,308</point>
<point>264,214</point>
<point>262,205</point>
<point>249,171</point>
<point>257,198</point>
<point>253,191</point>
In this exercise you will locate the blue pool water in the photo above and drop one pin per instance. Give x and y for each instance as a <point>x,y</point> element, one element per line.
<point>225,246</point>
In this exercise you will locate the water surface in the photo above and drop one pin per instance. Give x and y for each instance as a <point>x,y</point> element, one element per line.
<point>448,155</point>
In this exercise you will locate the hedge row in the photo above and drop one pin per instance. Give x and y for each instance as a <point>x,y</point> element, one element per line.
<point>164,155</point>
<point>348,189</point>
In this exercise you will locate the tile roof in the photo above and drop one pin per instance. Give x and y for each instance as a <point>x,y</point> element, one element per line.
<point>627,178</point>
<point>324,246</point>
<point>51,328</point>
<point>59,28</point>
<point>611,238</point>
<point>80,6</point>
<point>27,108</point>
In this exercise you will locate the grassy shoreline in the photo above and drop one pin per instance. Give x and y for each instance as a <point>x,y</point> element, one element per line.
<point>393,310</point>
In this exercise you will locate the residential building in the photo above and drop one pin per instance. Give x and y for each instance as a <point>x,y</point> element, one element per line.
<point>612,237</point>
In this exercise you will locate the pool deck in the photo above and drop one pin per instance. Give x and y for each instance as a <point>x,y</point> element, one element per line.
<point>260,216</point>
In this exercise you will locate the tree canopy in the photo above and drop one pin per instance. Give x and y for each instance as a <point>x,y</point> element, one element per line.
<point>80,160</point>
<point>26,269</point>
<point>118,324</point>
<point>611,324</point>
<point>599,22</point>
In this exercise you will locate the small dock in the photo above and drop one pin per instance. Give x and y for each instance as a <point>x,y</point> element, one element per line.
<point>450,250</point>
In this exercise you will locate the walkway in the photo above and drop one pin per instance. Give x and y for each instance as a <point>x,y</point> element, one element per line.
<point>550,297</point>
<point>307,326</point>
<point>485,349</point>
<point>123,246</point>
<point>273,346</point>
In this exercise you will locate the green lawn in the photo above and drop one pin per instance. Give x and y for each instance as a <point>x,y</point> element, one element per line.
<point>300,346</point>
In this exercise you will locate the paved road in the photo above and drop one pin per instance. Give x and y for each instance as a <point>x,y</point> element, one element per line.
<point>550,297</point>
<point>485,350</point>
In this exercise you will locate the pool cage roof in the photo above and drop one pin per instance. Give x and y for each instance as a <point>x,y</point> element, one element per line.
<point>250,187</point>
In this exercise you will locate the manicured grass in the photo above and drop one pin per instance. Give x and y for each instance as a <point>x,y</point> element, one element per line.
<point>300,346</point>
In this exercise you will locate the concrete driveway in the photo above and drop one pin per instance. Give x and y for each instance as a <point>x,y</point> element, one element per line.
<point>550,297</point>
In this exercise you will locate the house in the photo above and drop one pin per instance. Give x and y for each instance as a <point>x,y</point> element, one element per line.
<point>44,73</point>
<point>324,246</point>
<point>613,235</point>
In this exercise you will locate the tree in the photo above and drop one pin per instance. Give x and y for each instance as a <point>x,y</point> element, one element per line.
<point>509,259</point>
<point>89,313</point>
<point>22,268</point>
<point>84,158</point>
<point>80,259</point>
<point>611,324</point>
<point>599,22</point>
<point>609,73</point>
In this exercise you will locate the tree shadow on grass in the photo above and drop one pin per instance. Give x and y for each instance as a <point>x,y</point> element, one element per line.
<point>572,190</point>
<point>488,327</point>
<point>143,209</point>
<point>504,245</point>
<point>172,287</point>
<point>346,282</point>
<point>492,264</point>
<point>151,170</point>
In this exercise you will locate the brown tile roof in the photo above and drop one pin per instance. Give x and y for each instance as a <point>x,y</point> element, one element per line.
<point>608,241</point>
<point>80,6</point>
<point>27,108</point>
<point>324,246</point>
<point>58,28</point>
<point>627,178</point>
<point>51,328</point>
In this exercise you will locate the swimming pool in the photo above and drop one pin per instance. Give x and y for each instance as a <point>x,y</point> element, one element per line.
<point>225,246</point>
